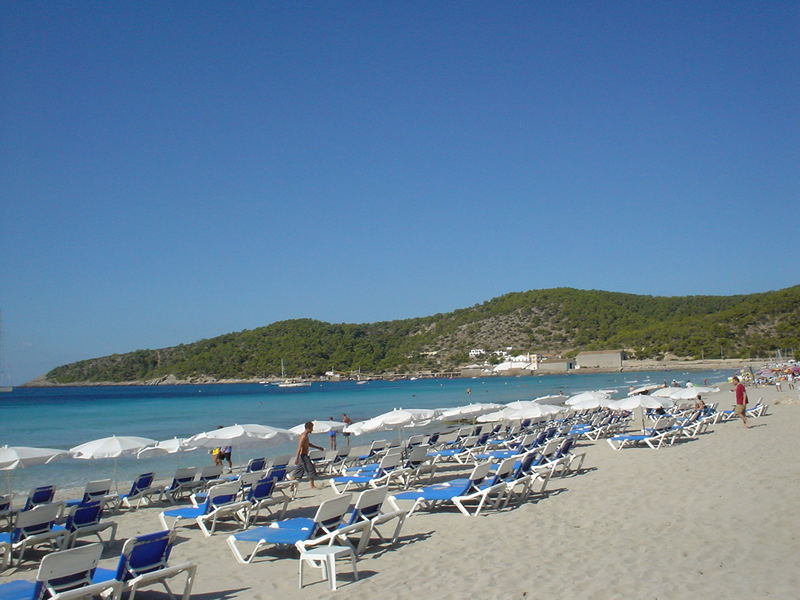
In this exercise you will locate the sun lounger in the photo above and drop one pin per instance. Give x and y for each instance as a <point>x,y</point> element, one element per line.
<point>144,562</point>
<point>85,519</point>
<point>182,484</point>
<point>654,440</point>
<point>262,495</point>
<point>95,490</point>
<point>460,453</point>
<point>220,504</point>
<point>493,486</point>
<point>325,528</point>
<point>7,512</point>
<point>33,528</point>
<point>40,495</point>
<point>434,495</point>
<point>375,450</point>
<point>142,489</point>
<point>384,473</point>
<point>369,509</point>
<point>65,575</point>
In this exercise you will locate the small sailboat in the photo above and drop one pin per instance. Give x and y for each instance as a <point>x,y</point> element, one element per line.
<point>291,383</point>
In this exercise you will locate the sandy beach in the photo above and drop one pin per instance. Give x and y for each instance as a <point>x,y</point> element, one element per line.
<point>713,516</point>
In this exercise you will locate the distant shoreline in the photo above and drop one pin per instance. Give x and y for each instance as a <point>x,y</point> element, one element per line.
<point>628,366</point>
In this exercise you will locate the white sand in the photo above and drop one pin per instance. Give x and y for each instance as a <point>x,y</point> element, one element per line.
<point>714,517</point>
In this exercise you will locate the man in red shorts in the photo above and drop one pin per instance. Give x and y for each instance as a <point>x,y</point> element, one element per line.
<point>741,401</point>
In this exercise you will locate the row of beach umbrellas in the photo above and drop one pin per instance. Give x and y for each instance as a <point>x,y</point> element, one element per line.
<point>255,435</point>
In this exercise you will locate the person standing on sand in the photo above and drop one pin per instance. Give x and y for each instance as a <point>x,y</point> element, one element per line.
<point>347,421</point>
<point>301,458</point>
<point>741,401</point>
<point>332,436</point>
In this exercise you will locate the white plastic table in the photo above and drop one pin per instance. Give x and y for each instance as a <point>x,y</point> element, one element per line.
<point>326,557</point>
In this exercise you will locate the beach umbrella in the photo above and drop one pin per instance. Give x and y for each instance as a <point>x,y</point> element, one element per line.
<point>468,411</point>
<point>394,419</point>
<point>701,389</point>
<point>242,436</point>
<point>588,400</point>
<point>664,392</point>
<point>521,410</point>
<point>319,427</point>
<point>19,457</point>
<point>171,446</point>
<point>641,402</point>
<point>645,389</point>
<point>554,399</point>
<point>111,447</point>
<point>677,393</point>
<point>15,457</point>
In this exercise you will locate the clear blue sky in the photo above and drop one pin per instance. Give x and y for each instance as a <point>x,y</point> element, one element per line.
<point>172,171</point>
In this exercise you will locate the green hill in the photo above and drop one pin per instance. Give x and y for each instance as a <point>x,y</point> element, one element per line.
<point>558,320</point>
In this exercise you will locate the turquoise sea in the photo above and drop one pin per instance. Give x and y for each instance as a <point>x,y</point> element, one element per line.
<point>66,417</point>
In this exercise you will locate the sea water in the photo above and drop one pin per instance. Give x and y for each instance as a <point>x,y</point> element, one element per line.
<point>65,417</point>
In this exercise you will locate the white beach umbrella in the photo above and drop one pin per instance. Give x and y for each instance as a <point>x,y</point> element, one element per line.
<point>554,399</point>
<point>520,410</point>
<point>645,389</point>
<point>591,399</point>
<point>640,401</point>
<point>319,427</point>
<point>242,436</point>
<point>520,404</point>
<point>111,447</point>
<point>16,457</point>
<point>664,392</point>
<point>394,419</point>
<point>677,393</point>
<point>468,411</point>
<point>702,389</point>
<point>19,457</point>
<point>171,446</point>
<point>591,402</point>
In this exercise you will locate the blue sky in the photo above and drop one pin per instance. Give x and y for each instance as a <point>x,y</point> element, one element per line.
<point>173,171</point>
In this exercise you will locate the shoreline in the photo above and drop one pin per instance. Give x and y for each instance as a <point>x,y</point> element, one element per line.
<point>628,366</point>
<point>705,540</point>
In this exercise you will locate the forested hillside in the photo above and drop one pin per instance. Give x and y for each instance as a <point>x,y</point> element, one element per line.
<point>555,321</point>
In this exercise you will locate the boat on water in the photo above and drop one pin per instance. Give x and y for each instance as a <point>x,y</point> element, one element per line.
<point>293,383</point>
<point>290,383</point>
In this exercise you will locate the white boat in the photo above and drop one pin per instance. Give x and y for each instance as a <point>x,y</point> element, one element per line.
<point>291,383</point>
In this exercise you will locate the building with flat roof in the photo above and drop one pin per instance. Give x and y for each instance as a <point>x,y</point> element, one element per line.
<point>556,365</point>
<point>600,359</point>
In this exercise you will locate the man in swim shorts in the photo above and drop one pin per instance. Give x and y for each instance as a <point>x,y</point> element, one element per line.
<point>301,458</point>
<point>741,401</point>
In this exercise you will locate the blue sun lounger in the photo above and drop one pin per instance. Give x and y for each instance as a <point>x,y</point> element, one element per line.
<point>327,526</point>
<point>65,575</point>
<point>220,503</point>
<point>32,528</point>
<point>144,561</point>
<point>434,495</point>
